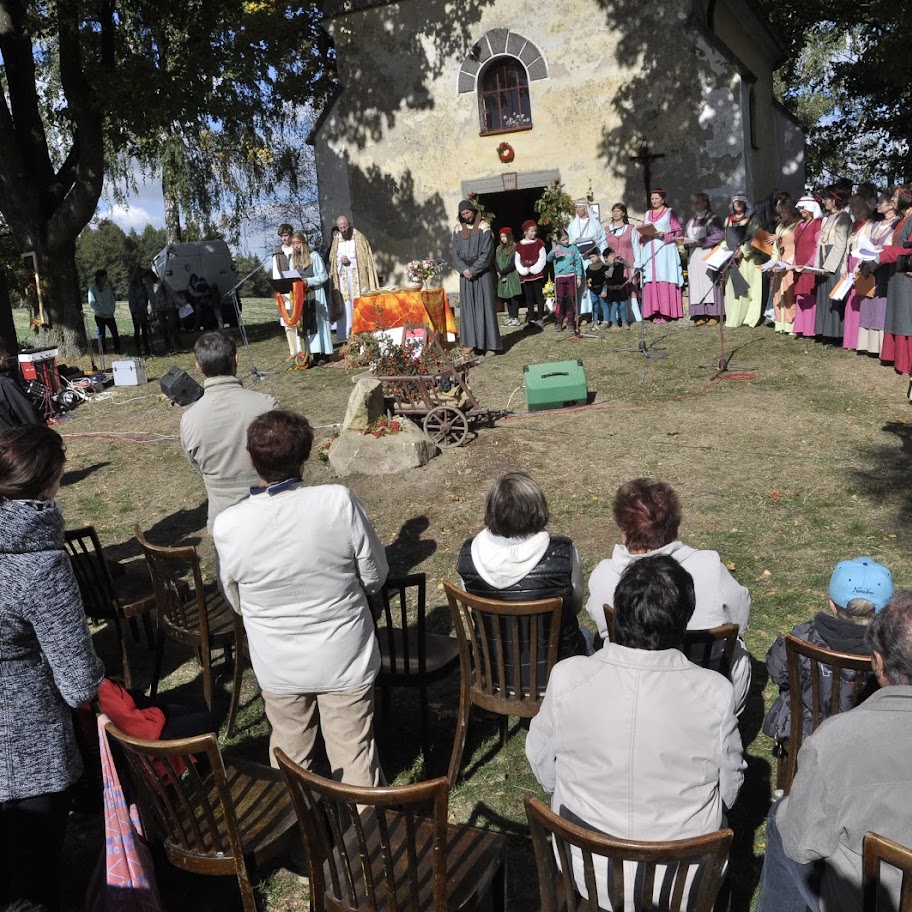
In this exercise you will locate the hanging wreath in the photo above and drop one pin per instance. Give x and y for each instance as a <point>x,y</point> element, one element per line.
<point>506,153</point>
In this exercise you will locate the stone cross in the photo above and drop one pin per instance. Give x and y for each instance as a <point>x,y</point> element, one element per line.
<point>645,158</point>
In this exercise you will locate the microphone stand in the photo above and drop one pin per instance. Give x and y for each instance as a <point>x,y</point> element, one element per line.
<point>258,375</point>
<point>645,345</point>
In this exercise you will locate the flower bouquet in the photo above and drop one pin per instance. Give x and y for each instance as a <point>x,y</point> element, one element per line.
<point>425,271</point>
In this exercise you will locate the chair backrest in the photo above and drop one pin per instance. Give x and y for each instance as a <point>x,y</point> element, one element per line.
<point>685,873</point>
<point>879,850</point>
<point>182,790</point>
<point>364,844</point>
<point>400,606</point>
<point>180,599</point>
<point>711,648</point>
<point>830,691</point>
<point>92,572</point>
<point>507,649</point>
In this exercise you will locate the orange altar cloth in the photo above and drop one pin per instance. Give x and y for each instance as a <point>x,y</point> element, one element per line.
<point>429,308</point>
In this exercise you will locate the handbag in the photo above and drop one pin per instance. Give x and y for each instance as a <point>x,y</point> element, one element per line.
<point>124,878</point>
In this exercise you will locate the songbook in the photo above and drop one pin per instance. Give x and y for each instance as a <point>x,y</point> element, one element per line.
<point>814,270</point>
<point>292,274</point>
<point>866,255</point>
<point>647,231</point>
<point>776,266</point>
<point>864,284</point>
<point>718,257</point>
<point>763,241</point>
<point>842,288</point>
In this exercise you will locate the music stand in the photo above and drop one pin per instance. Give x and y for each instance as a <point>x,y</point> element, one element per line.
<point>722,366</point>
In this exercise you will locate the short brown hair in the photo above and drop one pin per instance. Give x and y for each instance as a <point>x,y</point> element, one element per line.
<point>31,458</point>
<point>648,513</point>
<point>279,443</point>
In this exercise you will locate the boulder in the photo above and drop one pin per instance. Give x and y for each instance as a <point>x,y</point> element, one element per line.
<point>365,405</point>
<point>354,453</point>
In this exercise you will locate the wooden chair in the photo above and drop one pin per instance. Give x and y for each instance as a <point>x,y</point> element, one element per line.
<point>819,663</point>
<point>189,613</point>
<point>684,873</point>
<point>712,647</point>
<point>410,656</point>
<point>212,817</point>
<point>391,848</point>
<point>506,653</point>
<point>879,850</point>
<point>103,599</point>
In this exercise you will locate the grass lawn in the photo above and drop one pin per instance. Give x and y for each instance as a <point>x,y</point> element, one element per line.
<point>796,462</point>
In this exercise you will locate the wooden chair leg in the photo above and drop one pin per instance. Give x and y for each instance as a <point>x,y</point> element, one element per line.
<point>159,656</point>
<point>425,730</point>
<point>206,661</point>
<point>248,899</point>
<point>462,727</point>
<point>504,730</point>
<point>236,683</point>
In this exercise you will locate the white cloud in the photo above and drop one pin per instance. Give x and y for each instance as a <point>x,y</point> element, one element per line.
<point>131,217</point>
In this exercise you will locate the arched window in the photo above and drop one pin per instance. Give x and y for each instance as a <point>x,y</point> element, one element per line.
<point>503,97</point>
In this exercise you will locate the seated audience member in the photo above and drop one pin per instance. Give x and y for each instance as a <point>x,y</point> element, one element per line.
<point>515,560</point>
<point>859,589</point>
<point>636,740</point>
<point>648,514</point>
<point>298,562</point>
<point>854,776</point>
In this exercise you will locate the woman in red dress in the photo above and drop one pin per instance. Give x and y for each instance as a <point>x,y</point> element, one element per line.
<point>807,233</point>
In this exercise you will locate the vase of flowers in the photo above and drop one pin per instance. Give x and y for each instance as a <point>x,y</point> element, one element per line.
<point>425,272</point>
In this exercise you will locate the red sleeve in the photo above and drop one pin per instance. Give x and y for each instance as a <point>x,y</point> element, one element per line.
<point>891,253</point>
<point>119,707</point>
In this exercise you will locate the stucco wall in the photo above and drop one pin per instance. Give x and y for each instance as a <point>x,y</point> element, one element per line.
<point>401,139</point>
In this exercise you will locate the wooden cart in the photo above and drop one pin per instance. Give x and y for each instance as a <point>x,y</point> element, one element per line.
<point>442,402</point>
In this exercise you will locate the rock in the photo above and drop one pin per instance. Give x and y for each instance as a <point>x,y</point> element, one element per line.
<point>365,405</point>
<point>354,453</point>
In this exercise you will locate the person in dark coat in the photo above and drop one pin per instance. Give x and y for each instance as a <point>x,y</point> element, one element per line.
<point>473,258</point>
<point>16,408</point>
<point>859,590</point>
<point>48,667</point>
<point>515,560</point>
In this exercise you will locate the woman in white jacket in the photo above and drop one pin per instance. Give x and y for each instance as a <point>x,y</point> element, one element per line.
<point>648,514</point>
<point>305,604</point>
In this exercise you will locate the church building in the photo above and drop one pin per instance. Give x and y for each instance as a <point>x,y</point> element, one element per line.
<point>441,98</point>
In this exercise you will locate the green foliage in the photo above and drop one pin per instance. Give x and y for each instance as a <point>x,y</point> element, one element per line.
<point>848,79</point>
<point>555,208</point>
<point>257,286</point>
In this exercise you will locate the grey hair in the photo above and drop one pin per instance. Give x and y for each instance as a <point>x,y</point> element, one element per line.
<point>890,635</point>
<point>516,507</point>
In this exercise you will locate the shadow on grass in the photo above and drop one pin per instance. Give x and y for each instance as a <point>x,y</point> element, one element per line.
<point>71,477</point>
<point>885,476</point>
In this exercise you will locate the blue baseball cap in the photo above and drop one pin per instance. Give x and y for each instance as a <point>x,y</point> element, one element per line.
<point>863,578</point>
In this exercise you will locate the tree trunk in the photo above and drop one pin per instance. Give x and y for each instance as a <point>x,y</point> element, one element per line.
<point>63,301</point>
<point>172,211</point>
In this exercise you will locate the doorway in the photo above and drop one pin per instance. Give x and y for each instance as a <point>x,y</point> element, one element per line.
<point>511,208</point>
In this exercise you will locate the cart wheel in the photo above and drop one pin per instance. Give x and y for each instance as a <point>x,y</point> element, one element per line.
<point>446,426</point>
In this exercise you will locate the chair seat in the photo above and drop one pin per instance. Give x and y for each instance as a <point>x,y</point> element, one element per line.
<point>221,621</point>
<point>441,653</point>
<point>263,807</point>
<point>473,858</point>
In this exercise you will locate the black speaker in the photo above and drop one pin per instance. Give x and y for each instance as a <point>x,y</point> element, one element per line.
<point>180,387</point>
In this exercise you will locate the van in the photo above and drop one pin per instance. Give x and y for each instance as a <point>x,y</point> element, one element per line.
<point>209,260</point>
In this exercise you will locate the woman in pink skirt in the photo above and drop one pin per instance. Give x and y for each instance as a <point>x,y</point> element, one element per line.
<point>807,233</point>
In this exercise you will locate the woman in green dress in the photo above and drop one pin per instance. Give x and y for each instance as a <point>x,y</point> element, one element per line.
<point>508,289</point>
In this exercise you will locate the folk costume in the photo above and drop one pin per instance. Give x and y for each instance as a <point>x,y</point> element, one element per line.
<point>621,239</point>
<point>290,297</point>
<point>660,267</point>
<point>701,233</point>
<point>508,288</point>
<point>783,283</point>
<point>586,234</point>
<point>316,328</point>
<point>859,237</point>
<point>829,320</point>
<point>807,235</point>
<point>473,250</point>
<point>351,281</point>
<point>873,310</point>
<point>568,279</point>
<point>746,308</point>
<point>530,264</point>
<point>897,346</point>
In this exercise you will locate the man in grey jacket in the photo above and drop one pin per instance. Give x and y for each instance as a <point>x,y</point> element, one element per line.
<point>213,431</point>
<point>854,776</point>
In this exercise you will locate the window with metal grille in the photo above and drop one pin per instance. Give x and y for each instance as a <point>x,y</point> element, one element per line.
<point>503,97</point>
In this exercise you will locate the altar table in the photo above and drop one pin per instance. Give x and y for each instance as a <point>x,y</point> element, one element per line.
<point>430,308</point>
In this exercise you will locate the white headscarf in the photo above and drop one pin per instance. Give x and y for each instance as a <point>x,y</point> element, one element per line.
<point>809,204</point>
<point>749,206</point>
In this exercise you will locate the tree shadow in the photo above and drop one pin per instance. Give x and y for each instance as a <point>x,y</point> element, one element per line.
<point>884,477</point>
